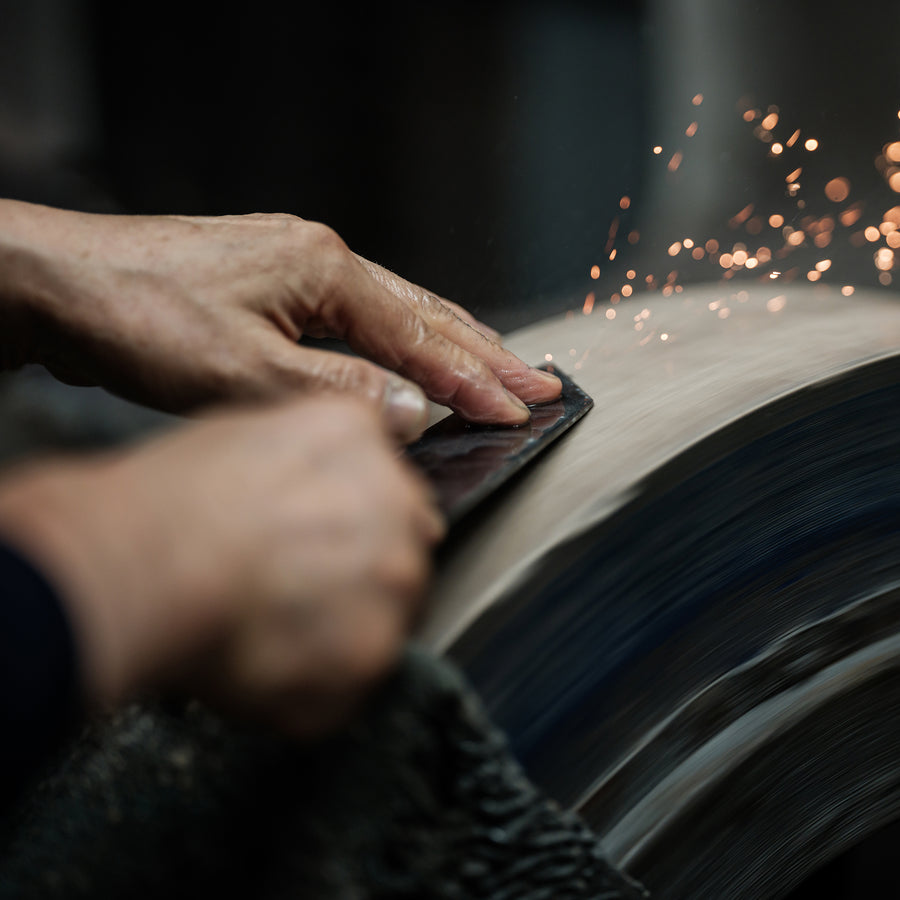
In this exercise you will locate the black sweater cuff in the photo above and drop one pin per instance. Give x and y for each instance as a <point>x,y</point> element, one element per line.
<point>39,685</point>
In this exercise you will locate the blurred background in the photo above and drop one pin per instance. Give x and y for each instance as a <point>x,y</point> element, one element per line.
<point>515,157</point>
<point>478,149</point>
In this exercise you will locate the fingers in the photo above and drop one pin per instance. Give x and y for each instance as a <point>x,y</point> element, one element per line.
<point>370,319</point>
<point>343,576</point>
<point>401,402</point>
<point>407,291</point>
<point>458,326</point>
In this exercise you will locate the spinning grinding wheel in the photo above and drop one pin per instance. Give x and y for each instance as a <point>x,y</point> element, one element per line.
<point>686,616</point>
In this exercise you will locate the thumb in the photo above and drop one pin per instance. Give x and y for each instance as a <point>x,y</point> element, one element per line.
<point>402,403</point>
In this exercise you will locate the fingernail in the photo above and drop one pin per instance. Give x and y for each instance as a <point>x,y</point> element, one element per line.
<point>518,405</point>
<point>406,408</point>
<point>546,376</point>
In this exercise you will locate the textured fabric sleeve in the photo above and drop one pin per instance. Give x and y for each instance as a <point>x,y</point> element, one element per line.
<point>39,687</point>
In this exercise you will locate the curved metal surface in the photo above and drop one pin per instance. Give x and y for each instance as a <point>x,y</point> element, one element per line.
<point>680,605</point>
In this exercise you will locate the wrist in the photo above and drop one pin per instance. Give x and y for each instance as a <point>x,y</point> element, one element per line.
<point>42,515</point>
<point>26,283</point>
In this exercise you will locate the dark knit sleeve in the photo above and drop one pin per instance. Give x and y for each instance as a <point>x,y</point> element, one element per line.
<point>39,687</point>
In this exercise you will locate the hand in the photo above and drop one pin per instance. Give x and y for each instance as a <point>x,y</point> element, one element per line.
<point>271,560</point>
<point>178,312</point>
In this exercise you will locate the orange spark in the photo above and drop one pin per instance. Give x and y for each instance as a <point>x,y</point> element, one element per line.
<point>837,190</point>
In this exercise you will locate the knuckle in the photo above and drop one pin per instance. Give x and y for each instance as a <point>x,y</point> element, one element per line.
<point>355,377</point>
<point>403,572</point>
<point>368,652</point>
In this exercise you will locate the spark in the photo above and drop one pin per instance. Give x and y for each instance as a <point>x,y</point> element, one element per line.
<point>741,217</point>
<point>627,290</point>
<point>675,249</point>
<point>697,99</point>
<point>675,161</point>
<point>884,259</point>
<point>691,130</point>
<point>610,313</point>
<point>664,336</point>
<point>776,304</point>
<point>657,150</point>
<point>872,234</point>
<point>631,274</point>
<point>793,138</point>
<point>770,121</point>
<point>811,144</point>
<point>823,265</point>
<point>776,220</point>
<point>777,149</point>
<point>837,190</point>
<point>790,179</point>
<point>847,290</point>
<point>589,301</point>
<point>625,202</point>
<point>813,275</point>
<point>612,255</point>
<point>548,357</point>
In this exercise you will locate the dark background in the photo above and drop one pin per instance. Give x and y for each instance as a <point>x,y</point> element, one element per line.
<point>478,149</point>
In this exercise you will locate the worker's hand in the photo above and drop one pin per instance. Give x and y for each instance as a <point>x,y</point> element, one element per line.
<point>177,312</point>
<point>270,560</point>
